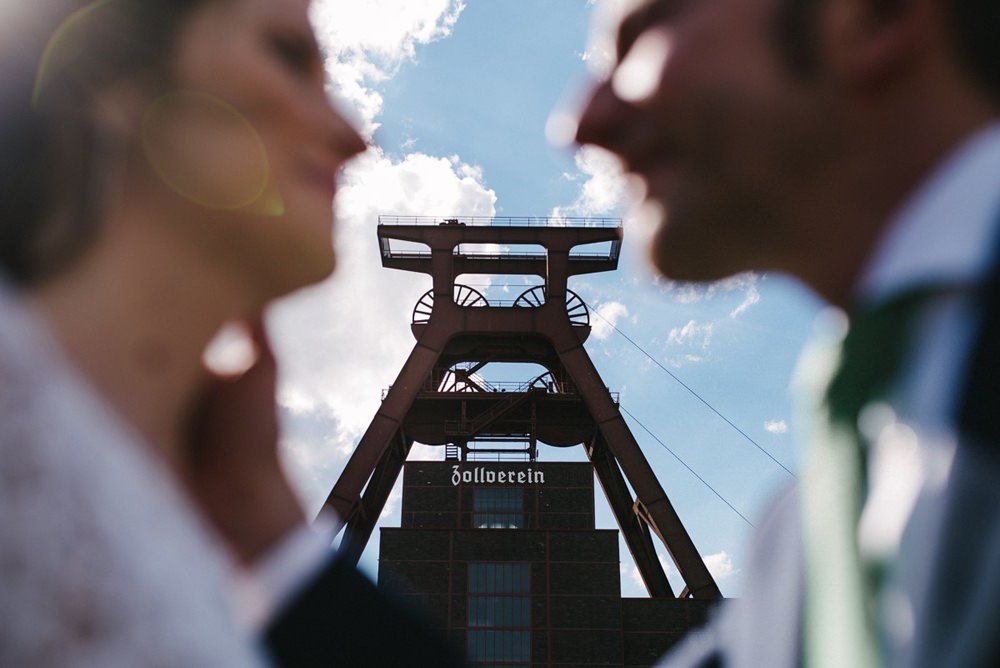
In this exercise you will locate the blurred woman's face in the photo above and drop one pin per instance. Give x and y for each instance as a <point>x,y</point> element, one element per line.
<point>248,141</point>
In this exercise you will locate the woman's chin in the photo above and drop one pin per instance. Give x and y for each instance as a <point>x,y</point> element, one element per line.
<point>304,271</point>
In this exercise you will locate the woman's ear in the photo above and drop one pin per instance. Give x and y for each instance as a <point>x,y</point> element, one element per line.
<point>118,108</point>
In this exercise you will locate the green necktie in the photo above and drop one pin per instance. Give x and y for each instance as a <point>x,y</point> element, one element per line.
<point>841,588</point>
<point>871,354</point>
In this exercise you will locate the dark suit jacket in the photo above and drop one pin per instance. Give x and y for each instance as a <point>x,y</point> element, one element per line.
<point>961,623</point>
<point>965,591</point>
<point>342,619</point>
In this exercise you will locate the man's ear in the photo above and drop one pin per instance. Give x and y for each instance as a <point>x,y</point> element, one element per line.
<point>869,42</point>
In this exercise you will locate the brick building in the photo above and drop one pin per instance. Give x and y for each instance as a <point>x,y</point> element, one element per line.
<point>505,557</point>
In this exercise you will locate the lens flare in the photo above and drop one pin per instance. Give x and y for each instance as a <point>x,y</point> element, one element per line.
<point>207,152</point>
<point>61,49</point>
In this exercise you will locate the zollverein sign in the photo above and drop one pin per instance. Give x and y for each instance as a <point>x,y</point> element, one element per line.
<point>481,475</point>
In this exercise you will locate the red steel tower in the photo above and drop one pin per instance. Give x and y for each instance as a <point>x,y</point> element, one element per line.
<point>440,399</point>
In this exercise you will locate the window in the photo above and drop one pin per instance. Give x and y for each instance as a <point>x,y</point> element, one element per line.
<point>498,508</point>
<point>499,632</point>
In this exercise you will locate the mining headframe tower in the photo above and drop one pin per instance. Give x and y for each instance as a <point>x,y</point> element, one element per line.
<point>440,398</point>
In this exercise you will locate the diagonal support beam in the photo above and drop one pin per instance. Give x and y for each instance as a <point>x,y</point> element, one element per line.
<point>358,529</point>
<point>345,497</point>
<point>633,527</point>
<point>619,463</point>
<point>662,517</point>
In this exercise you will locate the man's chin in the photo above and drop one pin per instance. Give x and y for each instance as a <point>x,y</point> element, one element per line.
<point>685,257</point>
<point>664,234</point>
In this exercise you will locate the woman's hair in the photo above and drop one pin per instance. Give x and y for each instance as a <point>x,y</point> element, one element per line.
<point>54,56</point>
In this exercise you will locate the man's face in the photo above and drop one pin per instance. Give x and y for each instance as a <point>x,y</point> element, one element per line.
<point>728,140</point>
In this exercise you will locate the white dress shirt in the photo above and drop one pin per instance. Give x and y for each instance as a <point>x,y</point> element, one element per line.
<point>945,235</point>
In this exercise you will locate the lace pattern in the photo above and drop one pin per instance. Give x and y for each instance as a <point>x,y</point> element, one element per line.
<point>102,561</point>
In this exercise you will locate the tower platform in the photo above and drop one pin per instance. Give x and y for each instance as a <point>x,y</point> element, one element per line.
<point>441,396</point>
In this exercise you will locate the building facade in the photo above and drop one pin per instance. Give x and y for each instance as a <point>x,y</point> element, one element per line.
<point>506,559</point>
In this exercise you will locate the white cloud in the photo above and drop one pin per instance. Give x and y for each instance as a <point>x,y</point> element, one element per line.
<point>751,297</point>
<point>392,502</point>
<point>720,565</point>
<point>389,30</point>
<point>637,577</point>
<point>419,184</point>
<point>684,293</point>
<point>692,293</point>
<point>342,341</point>
<point>665,563</point>
<point>691,334</point>
<point>600,52</point>
<point>775,426</point>
<point>366,42</point>
<point>608,314</point>
<point>313,451</point>
<point>695,338</point>
<point>421,452</point>
<point>603,187</point>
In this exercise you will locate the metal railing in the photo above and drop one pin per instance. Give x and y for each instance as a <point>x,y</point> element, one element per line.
<point>512,387</point>
<point>540,255</point>
<point>501,221</point>
<point>490,388</point>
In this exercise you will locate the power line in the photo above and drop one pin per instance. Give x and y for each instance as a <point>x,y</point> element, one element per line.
<point>684,464</point>
<point>689,389</point>
<point>686,387</point>
<point>669,373</point>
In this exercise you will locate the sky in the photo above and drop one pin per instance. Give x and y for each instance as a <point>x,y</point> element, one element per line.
<point>454,99</point>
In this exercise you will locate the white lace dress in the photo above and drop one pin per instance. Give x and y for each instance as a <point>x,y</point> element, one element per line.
<point>102,561</point>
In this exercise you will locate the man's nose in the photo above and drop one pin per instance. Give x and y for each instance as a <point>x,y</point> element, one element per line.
<point>602,118</point>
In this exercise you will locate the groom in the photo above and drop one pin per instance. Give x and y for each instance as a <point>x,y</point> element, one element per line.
<point>853,144</point>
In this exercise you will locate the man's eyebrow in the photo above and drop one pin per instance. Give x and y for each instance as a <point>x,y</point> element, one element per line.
<point>641,19</point>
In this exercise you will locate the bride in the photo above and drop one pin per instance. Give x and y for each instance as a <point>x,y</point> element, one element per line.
<point>166,166</point>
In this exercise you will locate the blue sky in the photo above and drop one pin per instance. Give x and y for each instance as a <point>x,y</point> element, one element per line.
<point>485,92</point>
<point>454,100</point>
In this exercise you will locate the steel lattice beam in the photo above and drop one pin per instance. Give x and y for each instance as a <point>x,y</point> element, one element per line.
<point>544,334</point>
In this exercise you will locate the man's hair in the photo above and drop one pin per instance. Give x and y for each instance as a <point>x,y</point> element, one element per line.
<point>975,34</point>
<point>974,27</point>
<point>794,28</point>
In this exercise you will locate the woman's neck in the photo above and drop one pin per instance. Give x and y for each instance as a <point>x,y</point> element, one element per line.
<point>135,314</point>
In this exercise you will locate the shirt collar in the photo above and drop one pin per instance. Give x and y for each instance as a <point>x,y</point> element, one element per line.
<point>945,233</point>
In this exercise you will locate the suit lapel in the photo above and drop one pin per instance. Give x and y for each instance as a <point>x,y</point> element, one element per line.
<point>978,412</point>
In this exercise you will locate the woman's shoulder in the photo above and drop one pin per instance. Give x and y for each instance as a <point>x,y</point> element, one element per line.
<point>102,561</point>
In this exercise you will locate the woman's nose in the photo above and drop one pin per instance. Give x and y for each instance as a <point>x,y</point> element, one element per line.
<point>343,140</point>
